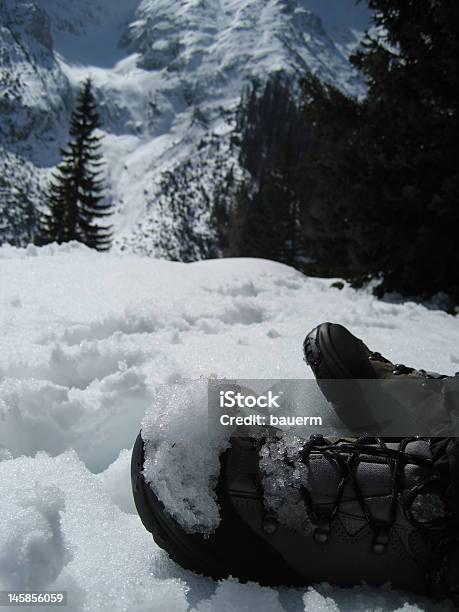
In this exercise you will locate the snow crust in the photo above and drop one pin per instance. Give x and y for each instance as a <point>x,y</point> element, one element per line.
<point>91,344</point>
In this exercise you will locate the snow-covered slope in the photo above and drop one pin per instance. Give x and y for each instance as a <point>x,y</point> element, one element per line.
<point>164,75</point>
<point>87,342</point>
<point>34,94</point>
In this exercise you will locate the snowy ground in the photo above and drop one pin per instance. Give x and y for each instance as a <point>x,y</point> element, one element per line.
<point>86,339</point>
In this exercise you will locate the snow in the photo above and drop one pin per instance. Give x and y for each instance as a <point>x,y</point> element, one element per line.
<point>92,344</point>
<point>182,462</point>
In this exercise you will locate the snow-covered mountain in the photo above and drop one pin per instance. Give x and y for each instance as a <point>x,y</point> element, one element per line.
<point>165,75</point>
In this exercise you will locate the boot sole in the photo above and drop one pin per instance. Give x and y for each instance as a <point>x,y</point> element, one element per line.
<point>188,550</point>
<point>322,350</point>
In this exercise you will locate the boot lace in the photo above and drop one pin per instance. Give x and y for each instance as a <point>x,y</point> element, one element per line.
<point>346,455</point>
<point>439,531</point>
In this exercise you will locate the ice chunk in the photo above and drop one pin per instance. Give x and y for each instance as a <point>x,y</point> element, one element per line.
<point>284,474</point>
<point>428,507</point>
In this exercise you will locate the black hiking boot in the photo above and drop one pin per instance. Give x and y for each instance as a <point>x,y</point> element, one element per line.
<point>295,512</point>
<point>373,395</point>
<point>333,352</point>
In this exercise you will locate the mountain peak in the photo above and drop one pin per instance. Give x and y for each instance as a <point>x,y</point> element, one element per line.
<point>164,74</point>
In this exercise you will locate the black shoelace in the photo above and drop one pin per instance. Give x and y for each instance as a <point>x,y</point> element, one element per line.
<point>347,455</point>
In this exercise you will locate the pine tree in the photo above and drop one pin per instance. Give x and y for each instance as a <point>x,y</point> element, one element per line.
<point>386,172</point>
<point>76,199</point>
<point>274,142</point>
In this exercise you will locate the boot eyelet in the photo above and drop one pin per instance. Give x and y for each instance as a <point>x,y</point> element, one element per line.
<point>317,438</point>
<point>380,541</point>
<point>320,536</point>
<point>322,531</point>
<point>269,524</point>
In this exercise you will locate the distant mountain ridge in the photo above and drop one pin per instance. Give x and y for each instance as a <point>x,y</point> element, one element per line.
<point>165,76</point>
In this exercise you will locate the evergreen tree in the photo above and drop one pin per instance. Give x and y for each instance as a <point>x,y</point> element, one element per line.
<point>274,141</point>
<point>76,203</point>
<point>386,174</point>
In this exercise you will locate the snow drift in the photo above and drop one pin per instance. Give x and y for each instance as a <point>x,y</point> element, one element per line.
<point>88,341</point>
